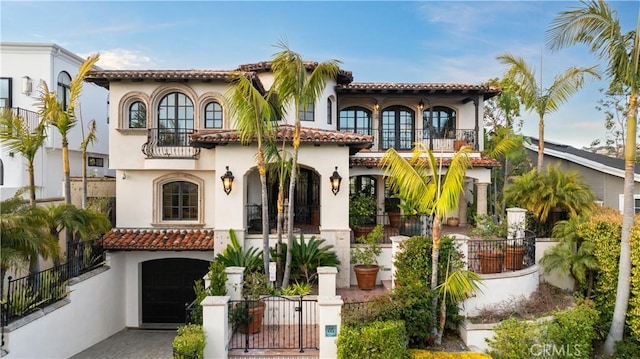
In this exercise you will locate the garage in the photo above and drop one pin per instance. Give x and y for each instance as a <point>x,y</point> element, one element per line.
<point>167,285</point>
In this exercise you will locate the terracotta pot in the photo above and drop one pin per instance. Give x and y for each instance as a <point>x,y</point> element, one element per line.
<point>256,315</point>
<point>513,258</point>
<point>366,276</point>
<point>491,261</point>
<point>362,230</point>
<point>394,219</point>
<point>453,221</point>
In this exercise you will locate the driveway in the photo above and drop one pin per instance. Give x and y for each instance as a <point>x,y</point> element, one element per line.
<point>132,344</point>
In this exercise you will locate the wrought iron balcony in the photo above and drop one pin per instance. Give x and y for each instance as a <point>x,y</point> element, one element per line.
<point>446,140</point>
<point>29,118</point>
<point>169,143</point>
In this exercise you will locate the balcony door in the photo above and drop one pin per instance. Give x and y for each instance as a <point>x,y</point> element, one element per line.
<point>175,120</point>
<point>397,128</point>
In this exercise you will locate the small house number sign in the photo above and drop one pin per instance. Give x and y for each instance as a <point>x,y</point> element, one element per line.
<point>330,331</point>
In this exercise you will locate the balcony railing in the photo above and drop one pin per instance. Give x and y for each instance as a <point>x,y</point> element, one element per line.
<point>502,255</point>
<point>30,118</point>
<point>306,218</point>
<point>169,143</point>
<point>394,224</point>
<point>449,140</point>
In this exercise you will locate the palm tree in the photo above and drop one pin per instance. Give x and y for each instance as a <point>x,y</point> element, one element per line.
<point>24,236</point>
<point>572,255</point>
<point>421,180</point>
<point>598,27</point>
<point>294,84</point>
<point>64,118</point>
<point>18,138</point>
<point>91,138</point>
<point>255,119</point>
<point>543,101</point>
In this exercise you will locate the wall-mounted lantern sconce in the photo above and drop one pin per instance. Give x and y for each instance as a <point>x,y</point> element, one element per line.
<point>335,181</point>
<point>124,175</point>
<point>376,106</point>
<point>421,105</point>
<point>27,85</point>
<point>227,181</point>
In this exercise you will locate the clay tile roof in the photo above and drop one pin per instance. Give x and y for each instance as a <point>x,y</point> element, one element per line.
<point>159,239</point>
<point>359,87</point>
<point>211,138</point>
<point>482,161</point>
<point>103,77</point>
<point>344,76</point>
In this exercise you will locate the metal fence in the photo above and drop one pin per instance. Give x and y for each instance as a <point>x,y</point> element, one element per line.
<point>394,224</point>
<point>502,255</point>
<point>169,143</point>
<point>274,322</point>
<point>27,294</point>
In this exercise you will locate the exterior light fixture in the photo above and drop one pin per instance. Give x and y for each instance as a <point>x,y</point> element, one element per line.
<point>27,85</point>
<point>335,181</point>
<point>420,105</point>
<point>227,181</point>
<point>376,106</point>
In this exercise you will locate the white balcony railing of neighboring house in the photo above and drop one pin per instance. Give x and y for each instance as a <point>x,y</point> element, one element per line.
<point>170,144</point>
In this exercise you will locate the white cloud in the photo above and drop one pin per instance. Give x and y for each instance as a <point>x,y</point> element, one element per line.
<point>123,59</point>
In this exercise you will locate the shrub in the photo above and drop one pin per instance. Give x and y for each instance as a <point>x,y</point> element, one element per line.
<point>514,339</point>
<point>190,340</point>
<point>234,256</point>
<point>573,330</point>
<point>381,340</point>
<point>380,308</point>
<point>627,349</point>
<point>307,256</point>
<point>217,287</point>
<point>413,305</point>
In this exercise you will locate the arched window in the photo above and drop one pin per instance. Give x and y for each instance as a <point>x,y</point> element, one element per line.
<point>355,119</point>
<point>439,123</point>
<point>180,201</point>
<point>175,120</point>
<point>64,89</point>
<point>137,115</point>
<point>397,128</point>
<point>329,110</point>
<point>213,115</point>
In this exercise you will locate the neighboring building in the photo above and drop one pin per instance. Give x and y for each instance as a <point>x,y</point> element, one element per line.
<point>171,141</point>
<point>604,174</point>
<point>23,68</point>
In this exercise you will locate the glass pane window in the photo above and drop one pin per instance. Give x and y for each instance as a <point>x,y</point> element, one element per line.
<point>180,201</point>
<point>213,115</point>
<point>5,92</point>
<point>306,112</point>
<point>137,115</point>
<point>397,128</point>
<point>355,119</point>
<point>439,123</point>
<point>64,90</point>
<point>329,111</point>
<point>175,120</point>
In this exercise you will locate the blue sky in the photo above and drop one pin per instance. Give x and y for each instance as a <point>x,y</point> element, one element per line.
<point>379,41</point>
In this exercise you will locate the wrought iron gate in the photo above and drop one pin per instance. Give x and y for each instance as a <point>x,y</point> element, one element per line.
<point>274,322</point>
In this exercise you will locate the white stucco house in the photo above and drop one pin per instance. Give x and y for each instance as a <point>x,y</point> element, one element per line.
<point>171,141</point>
<point>23,68</point>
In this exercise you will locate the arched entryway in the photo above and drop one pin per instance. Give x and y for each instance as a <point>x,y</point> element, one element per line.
<point>167,284</point>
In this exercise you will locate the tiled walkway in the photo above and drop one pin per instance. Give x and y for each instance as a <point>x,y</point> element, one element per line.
<point>132,344</point>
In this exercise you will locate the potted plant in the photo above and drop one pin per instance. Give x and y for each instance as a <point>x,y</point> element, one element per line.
<point>393,211</point>
<point>364,257</point>
<point>410,224</point>
<point>362,208</point>
<point>247,316</point>
<point>491,248</point>
<point>514,254</point>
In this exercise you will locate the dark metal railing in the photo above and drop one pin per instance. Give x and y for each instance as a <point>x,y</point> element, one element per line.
<point>306,218</point>
<point>502,255</point>
<point>445,140</point>
<point>26,294</point>
<point>169,143</point>
<point>395,224</point>
<point>193,313</point>
<point>30,118</point>
<point>274,322</point>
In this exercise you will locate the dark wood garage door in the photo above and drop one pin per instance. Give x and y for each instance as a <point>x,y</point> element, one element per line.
<point>167,284</point>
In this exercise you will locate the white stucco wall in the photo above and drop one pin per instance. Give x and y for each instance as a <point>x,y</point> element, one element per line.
<point>95,311</point>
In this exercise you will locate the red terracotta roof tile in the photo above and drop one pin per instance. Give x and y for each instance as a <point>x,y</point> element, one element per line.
<point>159,239</point>
<point>211,138</point>
<point>103,77</point>
<point>482,161</point>
<point>344,76</point>
<point>358,87</point>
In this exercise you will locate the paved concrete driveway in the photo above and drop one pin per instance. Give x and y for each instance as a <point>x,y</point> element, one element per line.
<point>132,344</point>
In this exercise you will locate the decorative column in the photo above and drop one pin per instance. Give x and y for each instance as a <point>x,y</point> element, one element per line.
<point>327,281</point>
<point>516,222</point>
<point>462,207</point>
<point>215,322</point>
<point>481,191</point>
<point>329,320</point>
<point>396,241</point>
<point>235,276</point>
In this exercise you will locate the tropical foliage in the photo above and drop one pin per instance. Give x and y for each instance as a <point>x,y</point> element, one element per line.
<point>234,256</point>
<point>307,256</point>
<point>597,26</point>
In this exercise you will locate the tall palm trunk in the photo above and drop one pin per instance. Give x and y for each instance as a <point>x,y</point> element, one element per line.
<point>265,207</point>
<point>435,259</point>
<point>292,189</point>
<point>66,170</point>
<point>32,184</point>
<point>540,142</point>
<point>84,180</point>
<point>624,267</point>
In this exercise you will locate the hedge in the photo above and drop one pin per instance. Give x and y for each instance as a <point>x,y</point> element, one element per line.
<point>190,340</point>
<point>378,340</point>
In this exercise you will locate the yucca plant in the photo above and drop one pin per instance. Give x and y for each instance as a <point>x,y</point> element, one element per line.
<point>307,256</point>
<point>235,256</point>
